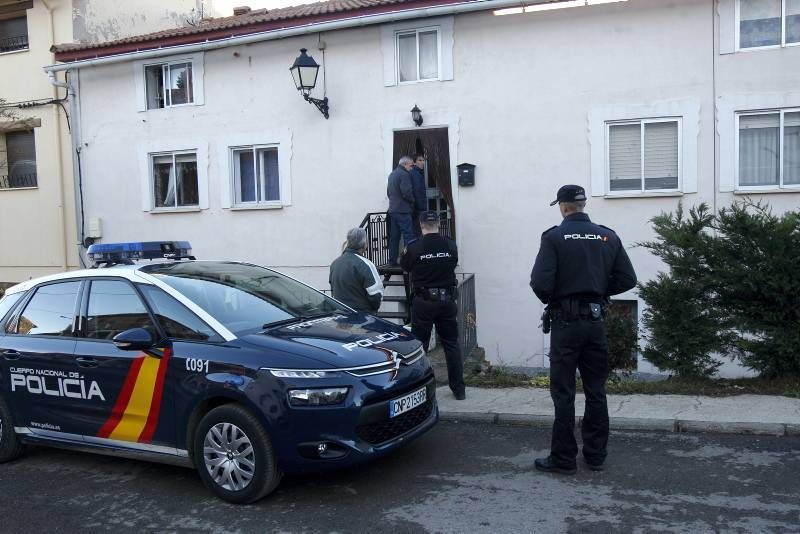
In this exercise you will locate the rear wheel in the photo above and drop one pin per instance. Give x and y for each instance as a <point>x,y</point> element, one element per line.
<point>10,446</point>
<point>234,456</point>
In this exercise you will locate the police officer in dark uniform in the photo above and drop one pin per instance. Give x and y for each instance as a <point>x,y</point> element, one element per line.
<point>580,264</point>
<point>432,260</point>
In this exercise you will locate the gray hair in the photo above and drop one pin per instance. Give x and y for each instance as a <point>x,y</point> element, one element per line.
<point>577,206</point>
<point>356,239</point>
<point>404,160</point>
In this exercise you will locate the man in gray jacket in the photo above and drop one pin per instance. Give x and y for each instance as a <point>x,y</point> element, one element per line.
<point>401,206</point>
<point>354,279</point>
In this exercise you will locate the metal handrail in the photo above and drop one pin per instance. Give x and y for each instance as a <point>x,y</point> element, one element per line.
<point>10,44</point>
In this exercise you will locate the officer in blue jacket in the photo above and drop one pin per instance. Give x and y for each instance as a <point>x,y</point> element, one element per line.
<point>579,265</point>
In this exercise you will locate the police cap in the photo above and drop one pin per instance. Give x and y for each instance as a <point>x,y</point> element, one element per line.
<point>569,193</point>
<point>429,217</point>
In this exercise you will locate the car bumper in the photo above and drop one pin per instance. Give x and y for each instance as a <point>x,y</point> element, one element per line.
<point>320,439</point>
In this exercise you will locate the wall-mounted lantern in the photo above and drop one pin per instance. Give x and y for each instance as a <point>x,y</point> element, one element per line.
<point>416,115</point>
<point>304,73</point>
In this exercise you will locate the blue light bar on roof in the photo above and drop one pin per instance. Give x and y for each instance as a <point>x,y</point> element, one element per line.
<point>141,250</point>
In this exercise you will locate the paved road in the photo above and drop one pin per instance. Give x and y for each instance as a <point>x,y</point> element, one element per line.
<point>460,478</point>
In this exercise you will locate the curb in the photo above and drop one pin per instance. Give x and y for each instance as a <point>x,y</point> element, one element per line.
<point>632,423</point>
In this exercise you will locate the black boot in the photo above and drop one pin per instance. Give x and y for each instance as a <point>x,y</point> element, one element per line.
<point>547,465</point>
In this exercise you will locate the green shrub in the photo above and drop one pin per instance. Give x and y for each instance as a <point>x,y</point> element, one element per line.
<point>756,274</point>
<point>685,329</point>
<point>732,289</point>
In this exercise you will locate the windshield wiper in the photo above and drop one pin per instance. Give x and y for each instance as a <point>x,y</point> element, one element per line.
<point>298,319</point>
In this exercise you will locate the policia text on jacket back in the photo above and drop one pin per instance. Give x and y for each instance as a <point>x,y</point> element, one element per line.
<point>580,264</point>
<point>432,261</point>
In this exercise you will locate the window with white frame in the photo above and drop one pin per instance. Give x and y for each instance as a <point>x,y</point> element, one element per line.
<point>169,84</point>
<point>769,149</point>
<point>765,23</point>
<point>418,55</point>
<point>255,173</point>
<point>174,180</point>
<point>18,160</point>
<point>644,155</point>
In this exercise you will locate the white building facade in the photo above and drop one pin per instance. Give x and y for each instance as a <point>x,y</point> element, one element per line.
<point>646,103</point>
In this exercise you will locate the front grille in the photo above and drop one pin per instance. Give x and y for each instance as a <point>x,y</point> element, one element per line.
<point>382,431</point>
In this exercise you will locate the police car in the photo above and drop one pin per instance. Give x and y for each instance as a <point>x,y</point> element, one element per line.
<point>234,369</point>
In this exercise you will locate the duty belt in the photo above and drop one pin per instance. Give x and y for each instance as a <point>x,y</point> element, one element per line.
<point>578,308</point>
<point>442,294</point>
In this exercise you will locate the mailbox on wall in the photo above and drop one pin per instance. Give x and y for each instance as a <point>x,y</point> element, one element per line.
<point>466,174</point>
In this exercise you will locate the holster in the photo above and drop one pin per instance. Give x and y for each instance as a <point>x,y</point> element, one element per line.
<point>546,319</point>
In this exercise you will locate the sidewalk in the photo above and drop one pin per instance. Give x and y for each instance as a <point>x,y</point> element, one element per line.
<point>742,414</point>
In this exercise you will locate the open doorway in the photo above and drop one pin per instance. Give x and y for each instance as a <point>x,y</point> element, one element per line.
<point>432,143</point>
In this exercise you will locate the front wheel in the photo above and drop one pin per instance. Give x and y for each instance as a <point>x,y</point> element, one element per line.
<point>234,456</point>
<point>10,447</point>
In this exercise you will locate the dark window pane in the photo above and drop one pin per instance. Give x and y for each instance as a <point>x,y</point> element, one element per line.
<point>154,79</point>
<point>163,182</point>
<point>269,158</point>
<point>115,307</point>
<point>176,320</point>
<point>51,311</point>
<point>21,159</point>
<point>187,179</point>
<point>246,177</point>
<point>14,34</point>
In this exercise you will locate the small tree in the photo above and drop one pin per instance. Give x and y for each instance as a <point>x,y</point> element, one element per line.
<point>685,329</point>
<point>756,271</point>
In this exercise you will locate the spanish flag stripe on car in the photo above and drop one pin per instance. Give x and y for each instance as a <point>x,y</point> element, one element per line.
<point>155,405</point>
<point>135,414</point>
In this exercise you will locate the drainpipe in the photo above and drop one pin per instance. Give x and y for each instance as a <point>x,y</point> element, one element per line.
<point>58,133</point>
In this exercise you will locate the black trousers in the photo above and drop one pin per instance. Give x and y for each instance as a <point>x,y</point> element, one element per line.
<point>579,344</point>
<point>427,313</point>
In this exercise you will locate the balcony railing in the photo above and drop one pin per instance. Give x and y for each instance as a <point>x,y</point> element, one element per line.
<point>16,181</point>
<point>9,44</point>
<point>377,228</point>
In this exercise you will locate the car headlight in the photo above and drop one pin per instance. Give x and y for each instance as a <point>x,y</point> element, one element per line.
<point>299,373</point>
<point>317,396</point>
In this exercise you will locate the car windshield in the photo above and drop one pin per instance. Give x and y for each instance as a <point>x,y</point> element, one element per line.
<point>244,298</point>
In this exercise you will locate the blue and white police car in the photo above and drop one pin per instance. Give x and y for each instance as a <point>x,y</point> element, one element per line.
<point>234,369</point>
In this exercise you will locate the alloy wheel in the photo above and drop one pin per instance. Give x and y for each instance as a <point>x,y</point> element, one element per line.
<point>229,456</point>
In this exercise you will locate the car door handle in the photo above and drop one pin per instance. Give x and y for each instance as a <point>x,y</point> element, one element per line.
<point>11,355</point>
<point>86,362</point>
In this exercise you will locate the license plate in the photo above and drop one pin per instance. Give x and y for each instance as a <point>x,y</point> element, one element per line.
<point>407,402</point>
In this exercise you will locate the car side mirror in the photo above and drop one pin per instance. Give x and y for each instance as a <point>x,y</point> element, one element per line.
<point>134,339</point>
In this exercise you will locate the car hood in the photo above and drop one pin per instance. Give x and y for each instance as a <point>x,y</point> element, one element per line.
<point>340,341</point>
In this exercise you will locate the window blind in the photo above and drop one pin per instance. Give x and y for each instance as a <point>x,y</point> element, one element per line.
<point>625,154</point>
<point>661,155</point>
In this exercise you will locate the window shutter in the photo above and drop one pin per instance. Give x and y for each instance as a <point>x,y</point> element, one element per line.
<point>661,155</point>
<point>624,156</point>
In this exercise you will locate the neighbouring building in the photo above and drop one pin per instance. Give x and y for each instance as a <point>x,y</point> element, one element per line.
<point>37,194</point>
<point>200,134</point>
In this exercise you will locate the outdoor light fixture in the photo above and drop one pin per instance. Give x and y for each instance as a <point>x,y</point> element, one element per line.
<point>304,72</point>
<point>416,115</point>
